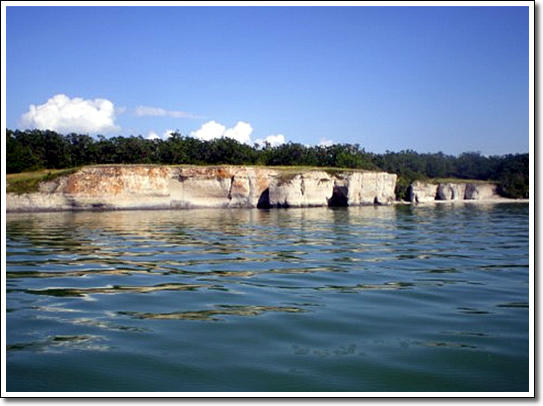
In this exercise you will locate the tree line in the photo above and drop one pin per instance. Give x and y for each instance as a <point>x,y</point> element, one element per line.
<point>31,150</point>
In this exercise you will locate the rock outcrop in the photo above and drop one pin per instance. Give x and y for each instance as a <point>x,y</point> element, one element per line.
<point>423,192</point>
<point>481,191</point>
<point>451,191</point>
<point>420,192</point>
<point>307,189</point>
<point>164,187</point>
<point>218,186</point>
<point>362,188</point>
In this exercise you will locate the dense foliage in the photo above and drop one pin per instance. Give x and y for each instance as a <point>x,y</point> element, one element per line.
<point>36,149</point>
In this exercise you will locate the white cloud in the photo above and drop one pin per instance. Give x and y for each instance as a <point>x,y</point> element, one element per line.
<point>273,140</point>
<point>209,131</point>
<point>62,114</point>
<point>152,135</point>
<point>167,134</point>
<point>326,143</point>
<point>145,111</point>
<point>241,132</point>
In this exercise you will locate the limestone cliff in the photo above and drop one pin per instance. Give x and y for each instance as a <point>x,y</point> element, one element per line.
<point>165,187</point>
<point>314,188</point>
<point>423,192</point>
<point>361,188</point>
<point>420,192</point>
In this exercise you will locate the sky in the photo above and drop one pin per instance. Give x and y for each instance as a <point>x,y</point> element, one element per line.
<point>430,79</point>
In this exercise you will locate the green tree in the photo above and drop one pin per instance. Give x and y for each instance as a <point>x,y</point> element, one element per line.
<point>57,152</point>
<point>82,149</point>
<point>19,157</point>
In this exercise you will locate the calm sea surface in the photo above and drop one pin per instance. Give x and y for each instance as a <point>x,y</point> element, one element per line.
<point>364,299</point>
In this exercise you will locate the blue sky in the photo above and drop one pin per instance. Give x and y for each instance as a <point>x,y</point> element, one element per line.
<point>450,79</point>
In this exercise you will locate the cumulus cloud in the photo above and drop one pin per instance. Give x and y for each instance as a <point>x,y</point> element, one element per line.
<point>273,140</point>
<point>326,143</point>
<point>241,132</point>
<point>167,134</point>
<point>152,135</point>
<point>209,131</point>
<point>146,111</point>
<point>62,114</point>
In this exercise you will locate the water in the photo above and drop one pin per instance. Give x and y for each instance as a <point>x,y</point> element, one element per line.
<point>363,299</point>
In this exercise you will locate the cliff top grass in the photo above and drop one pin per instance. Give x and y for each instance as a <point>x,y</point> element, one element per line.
<point>287,173</point>
<point>457,180</point>
<point>301,168</point>
<point>28,182</point>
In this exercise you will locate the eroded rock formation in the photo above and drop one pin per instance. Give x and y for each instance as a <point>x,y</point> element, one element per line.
<point>423,192</point>
<point>164,187</point>
<point>307,189</point>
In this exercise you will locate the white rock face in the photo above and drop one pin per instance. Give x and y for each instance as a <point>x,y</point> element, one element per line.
<point>365,188</point>
<point>37,202</point>
<point>451,191</point>
<point>164,187</point>
<point>219,187</point>
<point>307,189</point>
<point>481,191</point>
<point>422,192</point>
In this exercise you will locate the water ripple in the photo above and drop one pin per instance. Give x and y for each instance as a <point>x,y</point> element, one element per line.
<point>211,315</point>
<point>346,299</point>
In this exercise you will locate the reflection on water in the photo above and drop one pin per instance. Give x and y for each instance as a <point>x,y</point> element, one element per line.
<point>405,298</point>
<point>114,289</point>
<point>61,343</point>
<point>211,314</point>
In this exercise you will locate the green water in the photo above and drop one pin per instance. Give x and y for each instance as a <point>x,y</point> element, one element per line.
<point>360,299</point>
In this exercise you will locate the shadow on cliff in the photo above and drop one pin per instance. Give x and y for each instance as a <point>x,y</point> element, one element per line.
<point>338,199</point>
<point>264,200</point>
